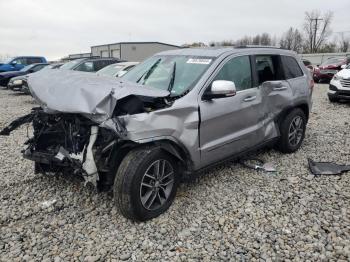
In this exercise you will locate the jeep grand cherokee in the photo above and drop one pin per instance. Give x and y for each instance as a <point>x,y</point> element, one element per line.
<point>169,117</point>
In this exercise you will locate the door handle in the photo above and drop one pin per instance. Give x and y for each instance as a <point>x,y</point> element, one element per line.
<point>280,88</point>
<point>249,98</point>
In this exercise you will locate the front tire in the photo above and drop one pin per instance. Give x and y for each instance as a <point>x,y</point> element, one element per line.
<point>333,99</point>
<point>292,131</point>
<point>145,184</point>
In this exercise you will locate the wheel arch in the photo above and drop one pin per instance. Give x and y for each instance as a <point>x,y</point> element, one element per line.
<point>303,106</point>
<point>167,144</point>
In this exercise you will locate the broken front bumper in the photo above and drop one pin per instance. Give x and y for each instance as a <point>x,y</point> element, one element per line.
<point>66,143</point>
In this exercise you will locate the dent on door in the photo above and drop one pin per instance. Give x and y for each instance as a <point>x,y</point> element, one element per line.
<point>277,95</point>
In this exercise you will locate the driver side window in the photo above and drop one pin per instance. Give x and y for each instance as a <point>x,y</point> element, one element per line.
<point>237,70</point>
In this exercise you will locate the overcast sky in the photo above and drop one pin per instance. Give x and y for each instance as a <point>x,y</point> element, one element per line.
<point>56,28</point>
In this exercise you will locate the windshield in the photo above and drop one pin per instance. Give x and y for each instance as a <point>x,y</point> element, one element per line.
<point>110,70</point>
<point>70,65</point>
<point>333,61</point>
<point>175,73</point>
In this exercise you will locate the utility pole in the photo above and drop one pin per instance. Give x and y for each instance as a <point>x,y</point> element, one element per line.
<point>313,49</point>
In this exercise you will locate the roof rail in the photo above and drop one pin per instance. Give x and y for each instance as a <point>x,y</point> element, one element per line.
<point>257,46</point>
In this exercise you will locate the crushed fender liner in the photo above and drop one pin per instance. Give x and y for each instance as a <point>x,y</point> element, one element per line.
<point>17,123</point>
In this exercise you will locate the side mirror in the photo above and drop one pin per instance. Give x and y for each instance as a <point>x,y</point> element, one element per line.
<point>30,71</point>
<point>220,89</point>
<point>14,63</point>
<point>343,67</point>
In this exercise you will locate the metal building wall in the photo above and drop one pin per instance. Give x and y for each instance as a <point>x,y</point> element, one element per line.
<point>130,51</point>
<point>140,51</point>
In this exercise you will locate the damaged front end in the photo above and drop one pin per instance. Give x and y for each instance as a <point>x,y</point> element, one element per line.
<point>68,143</point>
<point>77,128</point>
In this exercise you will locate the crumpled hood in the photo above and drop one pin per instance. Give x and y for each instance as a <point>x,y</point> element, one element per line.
<point>69,91</point>
<point>345,73</point>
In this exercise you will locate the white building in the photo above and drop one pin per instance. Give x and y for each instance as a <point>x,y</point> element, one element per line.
<point>131,51</point>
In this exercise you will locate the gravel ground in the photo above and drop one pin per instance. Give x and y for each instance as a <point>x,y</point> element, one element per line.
<point>230,213</point>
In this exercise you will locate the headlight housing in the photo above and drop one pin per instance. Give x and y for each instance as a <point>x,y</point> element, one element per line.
<point>337,77</point>
<point>17,82</point>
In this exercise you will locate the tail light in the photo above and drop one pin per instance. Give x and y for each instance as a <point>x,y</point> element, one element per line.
<point>311,84</point>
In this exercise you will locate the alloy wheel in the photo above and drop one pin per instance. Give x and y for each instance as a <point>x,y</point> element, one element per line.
<point>157,184</point>
<point>296,130</point>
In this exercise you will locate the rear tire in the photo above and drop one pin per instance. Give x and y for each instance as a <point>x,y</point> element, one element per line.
<point>292,131</point>
<point>141,194</point>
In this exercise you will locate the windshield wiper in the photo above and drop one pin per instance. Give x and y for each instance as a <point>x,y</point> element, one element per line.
<point>172,79</point>
<point>146,74</point>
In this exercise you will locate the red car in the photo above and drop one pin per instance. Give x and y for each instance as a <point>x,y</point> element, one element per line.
<point>329,68</point>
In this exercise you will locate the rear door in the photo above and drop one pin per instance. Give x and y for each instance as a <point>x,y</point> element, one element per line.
<point>295,75</point>
<point>229,125</point>
<point>276,90</point>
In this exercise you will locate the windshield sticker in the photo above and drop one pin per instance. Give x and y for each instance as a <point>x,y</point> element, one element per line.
<point>198,61</point>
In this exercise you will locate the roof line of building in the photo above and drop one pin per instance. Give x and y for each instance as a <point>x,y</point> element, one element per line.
<point>81,53</point>
<point>154,42</point>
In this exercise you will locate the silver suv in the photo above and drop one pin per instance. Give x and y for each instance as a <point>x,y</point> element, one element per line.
<point>171,116</point>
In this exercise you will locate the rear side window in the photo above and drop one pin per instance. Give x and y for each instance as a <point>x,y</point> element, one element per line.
<point>86,67</point>
<point>291,67</point>
<point>99,64</point>
<point>38,67</point>
<point>237,70</point>
<point>268,68</point>
<point>33,60</point>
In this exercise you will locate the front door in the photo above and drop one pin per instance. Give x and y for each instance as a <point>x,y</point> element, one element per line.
<point>229,125</point>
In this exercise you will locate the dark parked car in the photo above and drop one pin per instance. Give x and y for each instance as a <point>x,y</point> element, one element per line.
<point>19,62</point>
<point>6,76</point>
<point>326,71</point>
<point>19,83</point>
<point>89,64</point>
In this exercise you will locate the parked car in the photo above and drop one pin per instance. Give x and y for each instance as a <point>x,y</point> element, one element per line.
<point>89,64</point>
<point>171,116</point>
<point>339,87</point>
<point>6,76</point>
<point>19,83</point>
<point>19,62</point>
<point>116,70</point>
<point>326,71</point>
